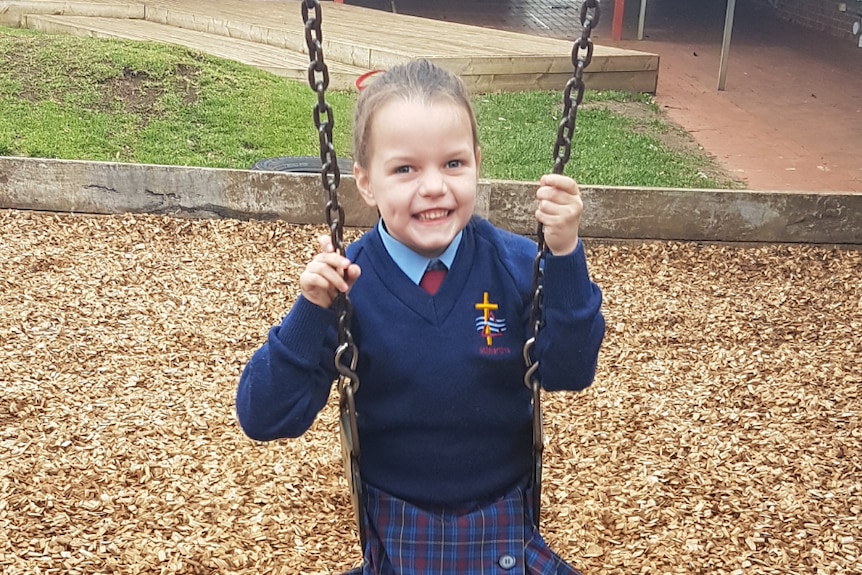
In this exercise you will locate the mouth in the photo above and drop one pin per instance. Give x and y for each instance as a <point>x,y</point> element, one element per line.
<point>433,215</point>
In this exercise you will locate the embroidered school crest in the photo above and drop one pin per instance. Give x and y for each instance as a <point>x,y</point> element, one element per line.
<point>487,324</point>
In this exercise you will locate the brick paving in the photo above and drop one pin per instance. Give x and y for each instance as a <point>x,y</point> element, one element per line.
<point>791,116</point>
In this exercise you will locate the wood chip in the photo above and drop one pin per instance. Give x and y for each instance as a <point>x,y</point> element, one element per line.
<point>722,434</point>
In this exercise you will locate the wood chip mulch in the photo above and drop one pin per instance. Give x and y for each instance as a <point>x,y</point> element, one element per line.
<point>722,435</point>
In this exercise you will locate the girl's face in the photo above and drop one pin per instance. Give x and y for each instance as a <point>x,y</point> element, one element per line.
<point>423,168</point>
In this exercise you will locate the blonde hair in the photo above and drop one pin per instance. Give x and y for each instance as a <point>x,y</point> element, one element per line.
<point>417,80</point>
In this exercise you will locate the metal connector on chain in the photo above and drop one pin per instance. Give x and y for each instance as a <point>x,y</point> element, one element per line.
<point>582,55</point>
<point>346,354</point>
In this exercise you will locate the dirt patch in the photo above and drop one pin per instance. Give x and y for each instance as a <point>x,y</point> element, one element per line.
<point>17,57</point>
<point>138,93</point>
<point>129,91</point>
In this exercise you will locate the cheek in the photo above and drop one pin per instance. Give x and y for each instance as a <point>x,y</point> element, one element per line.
<point>395,207</point>
<point>467,195</point>
<point>399,197</point>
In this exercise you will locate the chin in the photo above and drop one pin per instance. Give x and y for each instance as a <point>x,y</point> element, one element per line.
<point>430,251</point>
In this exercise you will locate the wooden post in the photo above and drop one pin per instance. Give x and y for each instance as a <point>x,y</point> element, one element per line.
<point>641,18</point>
<point>725,44</point>
<point>617,25</point>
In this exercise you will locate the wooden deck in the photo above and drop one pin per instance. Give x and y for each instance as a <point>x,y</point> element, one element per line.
<point>270,35</point>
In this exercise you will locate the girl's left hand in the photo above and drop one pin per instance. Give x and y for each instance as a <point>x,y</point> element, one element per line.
<point>559,212</point>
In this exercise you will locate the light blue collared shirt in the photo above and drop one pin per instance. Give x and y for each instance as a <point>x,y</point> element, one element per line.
<point>411,263</point>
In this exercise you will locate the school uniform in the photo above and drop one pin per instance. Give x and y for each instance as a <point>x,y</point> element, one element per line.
<point>444,416</point>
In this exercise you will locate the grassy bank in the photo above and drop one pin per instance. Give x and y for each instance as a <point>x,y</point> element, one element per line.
<point>106,100</point>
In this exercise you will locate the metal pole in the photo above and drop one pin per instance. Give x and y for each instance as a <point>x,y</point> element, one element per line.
<point>725,44</point>
<point>641,18</point>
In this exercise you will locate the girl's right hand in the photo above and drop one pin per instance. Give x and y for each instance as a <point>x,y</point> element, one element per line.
<point>324,276</point>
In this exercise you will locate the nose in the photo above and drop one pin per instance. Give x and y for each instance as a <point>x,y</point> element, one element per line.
<point>433,183</point>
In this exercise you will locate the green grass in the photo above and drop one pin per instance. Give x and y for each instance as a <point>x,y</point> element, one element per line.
<point>88,99</point>
<point>107,100</point>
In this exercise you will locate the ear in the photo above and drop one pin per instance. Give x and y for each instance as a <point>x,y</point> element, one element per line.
<point>363,184</point>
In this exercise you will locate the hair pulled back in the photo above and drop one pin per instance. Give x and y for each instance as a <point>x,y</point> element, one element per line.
<point>414,81</point>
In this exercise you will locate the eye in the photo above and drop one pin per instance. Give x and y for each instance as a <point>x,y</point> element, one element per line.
<point>454,164</point>
<point>402,170</point>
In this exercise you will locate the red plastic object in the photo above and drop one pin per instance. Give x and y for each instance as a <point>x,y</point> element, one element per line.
<point>360,81</point>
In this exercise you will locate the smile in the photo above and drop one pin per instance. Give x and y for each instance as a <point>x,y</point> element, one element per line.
<point>432,215</point>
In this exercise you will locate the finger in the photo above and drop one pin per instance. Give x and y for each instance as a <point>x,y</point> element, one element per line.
<point>563,211</point>
<point>561,182</point>
<point>325,243</point>
<point>552,219</point>
<point>333,259</point>
<point>315,281</point>
<point>315,289</point>
<point>353,273</point>
<point>333,275</point>
<point>557,195</point>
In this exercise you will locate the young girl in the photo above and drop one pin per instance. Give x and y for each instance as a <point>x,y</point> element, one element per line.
<point>444,416</point>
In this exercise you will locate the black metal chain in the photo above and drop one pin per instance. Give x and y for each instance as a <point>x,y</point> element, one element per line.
<point>582,55</point>
<point>346,354</point>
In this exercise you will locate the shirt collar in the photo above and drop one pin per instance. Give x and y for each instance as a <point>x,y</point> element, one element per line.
<point>412,264</point>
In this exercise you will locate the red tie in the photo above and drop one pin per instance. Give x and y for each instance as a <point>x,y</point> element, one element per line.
<point>433,277</point>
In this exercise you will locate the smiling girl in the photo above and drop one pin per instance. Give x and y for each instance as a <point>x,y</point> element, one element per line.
<point>444,417</point>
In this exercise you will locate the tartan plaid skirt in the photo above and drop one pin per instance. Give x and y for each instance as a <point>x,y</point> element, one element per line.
<point>498,539</point>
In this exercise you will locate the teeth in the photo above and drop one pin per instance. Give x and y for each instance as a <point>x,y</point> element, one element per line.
<point>428,216</point>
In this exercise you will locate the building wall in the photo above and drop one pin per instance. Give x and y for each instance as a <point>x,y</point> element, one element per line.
<point>819,14</point>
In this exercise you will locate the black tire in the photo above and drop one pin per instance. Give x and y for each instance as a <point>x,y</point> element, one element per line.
<point>300,164</point>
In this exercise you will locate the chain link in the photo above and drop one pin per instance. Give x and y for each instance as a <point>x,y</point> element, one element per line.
<point>346,354</point>
<point>582,55</point>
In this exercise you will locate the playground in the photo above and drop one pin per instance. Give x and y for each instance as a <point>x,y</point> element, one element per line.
<point>721,436</point>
